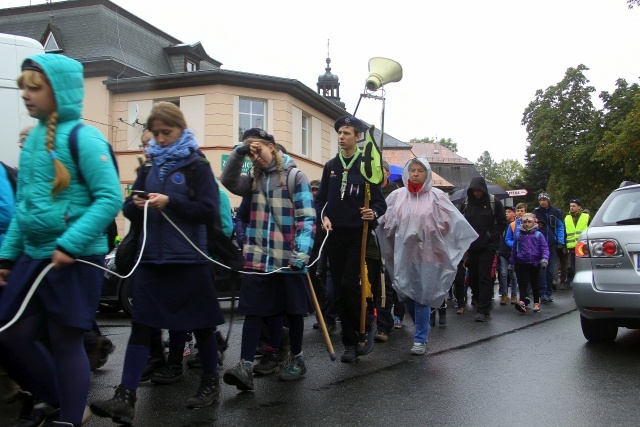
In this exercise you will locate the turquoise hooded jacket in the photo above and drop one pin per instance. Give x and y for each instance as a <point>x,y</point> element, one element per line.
<point>76,218</point>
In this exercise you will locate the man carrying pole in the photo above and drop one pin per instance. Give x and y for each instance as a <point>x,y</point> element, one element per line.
<point>340,202</point>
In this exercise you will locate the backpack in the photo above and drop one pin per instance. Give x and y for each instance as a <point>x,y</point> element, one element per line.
<point>73,148</point>
<point>12,175</point>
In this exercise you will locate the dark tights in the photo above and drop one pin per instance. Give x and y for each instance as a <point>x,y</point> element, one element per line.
<point>251,335</point>
<point>58,377</point>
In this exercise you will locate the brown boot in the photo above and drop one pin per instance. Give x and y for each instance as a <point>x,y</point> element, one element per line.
<point>504,300</point>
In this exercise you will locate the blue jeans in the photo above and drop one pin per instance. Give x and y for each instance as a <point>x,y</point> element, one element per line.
<point>546,275</point>
<point>505,280</point>
<point>420,315</point>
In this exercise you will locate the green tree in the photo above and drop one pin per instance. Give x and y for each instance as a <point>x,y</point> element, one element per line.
<point>486,166</point>
<point>446,143</point>
<point>508,174</point>
<point>564,129</point>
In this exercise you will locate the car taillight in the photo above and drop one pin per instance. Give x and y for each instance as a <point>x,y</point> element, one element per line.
<point>582,249</point>
<point>602,248</point>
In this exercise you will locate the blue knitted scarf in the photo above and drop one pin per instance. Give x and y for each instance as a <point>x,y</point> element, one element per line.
<point>164,158</point>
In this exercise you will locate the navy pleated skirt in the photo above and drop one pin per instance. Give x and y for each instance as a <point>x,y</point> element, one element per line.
<point>69,295</point>
<point>271,294</point>
<point>175,296</point>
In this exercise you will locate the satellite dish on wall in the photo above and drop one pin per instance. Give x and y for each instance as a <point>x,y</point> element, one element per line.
<point>133,114</point>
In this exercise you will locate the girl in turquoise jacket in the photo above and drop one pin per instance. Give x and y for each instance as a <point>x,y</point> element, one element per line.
<point>58,219</point>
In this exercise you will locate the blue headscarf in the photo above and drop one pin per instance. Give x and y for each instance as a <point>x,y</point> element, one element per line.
<point>164,158</point>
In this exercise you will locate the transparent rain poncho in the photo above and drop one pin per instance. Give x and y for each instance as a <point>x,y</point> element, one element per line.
<point>423,237</point>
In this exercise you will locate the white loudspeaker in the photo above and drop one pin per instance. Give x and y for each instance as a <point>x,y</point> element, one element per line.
<point>383,71</point>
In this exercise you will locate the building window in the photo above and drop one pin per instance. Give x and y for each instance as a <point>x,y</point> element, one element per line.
<point>251,115</point>
<point>191,66</point>
<point>305,135</point>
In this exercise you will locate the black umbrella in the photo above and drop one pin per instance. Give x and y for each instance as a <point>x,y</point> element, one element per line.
<point>459,196</point>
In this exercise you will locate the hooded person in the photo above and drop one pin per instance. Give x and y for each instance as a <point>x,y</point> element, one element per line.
<point>423,237</point>
<point>486,215</point>
<point>59,219</point>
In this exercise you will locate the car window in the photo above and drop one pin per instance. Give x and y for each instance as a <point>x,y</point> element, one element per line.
<point>619,206</point>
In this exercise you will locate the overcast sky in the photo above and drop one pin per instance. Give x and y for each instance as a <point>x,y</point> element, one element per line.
<point>470,67</point>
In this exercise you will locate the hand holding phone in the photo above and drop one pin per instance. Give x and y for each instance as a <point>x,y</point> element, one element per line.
<point>140,193</point>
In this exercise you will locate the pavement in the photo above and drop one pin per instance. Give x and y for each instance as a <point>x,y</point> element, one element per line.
<point>164,405</point>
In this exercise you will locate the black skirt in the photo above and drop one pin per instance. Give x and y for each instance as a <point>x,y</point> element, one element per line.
<point>175,297</point>
<point>270,294</point>
<point>69,295</point>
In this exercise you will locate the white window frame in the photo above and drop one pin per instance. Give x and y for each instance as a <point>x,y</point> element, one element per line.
<point>305,127</point>
<point>251,115</point>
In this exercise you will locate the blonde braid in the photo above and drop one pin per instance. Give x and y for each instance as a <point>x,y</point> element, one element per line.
<point>278,165</point>
<point>256,175</point>
<point>62,178</point>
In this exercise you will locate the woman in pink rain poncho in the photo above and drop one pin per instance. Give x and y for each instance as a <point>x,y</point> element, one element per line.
<point>423,237</point>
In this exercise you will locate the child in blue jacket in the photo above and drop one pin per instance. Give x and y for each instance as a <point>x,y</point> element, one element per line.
<point>529,255</point>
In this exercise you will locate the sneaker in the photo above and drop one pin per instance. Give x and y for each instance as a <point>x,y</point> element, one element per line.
<point>349,355</point>
<point>368,341</point>
<point>168,374</point>
<point>521,307</point>
<point>527,301</point>
<point>100,352</point>
<point>153,365</point>
<point>418,349</point>
<point>514,299</point>
<point>268,363</point>
<point>397,323</point>
<point>207,392</point>
<point>195,362</point>
<point>381,337</point>
<point>120,408</point>
<point>504,300</point>
<point>536,308</point>
<point>481,317</point>
<point>240,375</point>
<point>293,369</point>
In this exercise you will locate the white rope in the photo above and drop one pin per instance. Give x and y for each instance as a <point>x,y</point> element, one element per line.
<point>38,280</point>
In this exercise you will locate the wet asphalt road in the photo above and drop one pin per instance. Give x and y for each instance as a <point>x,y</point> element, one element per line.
<point>517,369</point>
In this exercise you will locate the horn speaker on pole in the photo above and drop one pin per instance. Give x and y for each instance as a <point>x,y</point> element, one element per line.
<point>381,72</point>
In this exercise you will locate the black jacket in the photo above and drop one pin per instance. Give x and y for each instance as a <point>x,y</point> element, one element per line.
<point>489,222</point>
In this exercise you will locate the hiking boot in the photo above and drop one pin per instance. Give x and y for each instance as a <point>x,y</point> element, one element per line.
<point>514,299</point>
<point>241,375</point>
<point>521,307</point>
<point>294,368</point>
<point>195,362</point>
<point>120,408</point>
<point>504,300</point>
<point>460,310</point>
<point>536,308</point>
<point>172,372</point>
<point>442,315</point>
<point>285,345</point>
<point>208,391</point>
<point>418,349</point>
<point>41,413</point>
<point>368,341</point>
<point>381,337</point>
<point>100,352</point>
<point>349,355</point>
<point>268,363</point>
<point>481,317</point>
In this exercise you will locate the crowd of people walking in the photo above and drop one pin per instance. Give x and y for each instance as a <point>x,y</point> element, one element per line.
<point>418,248</point>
